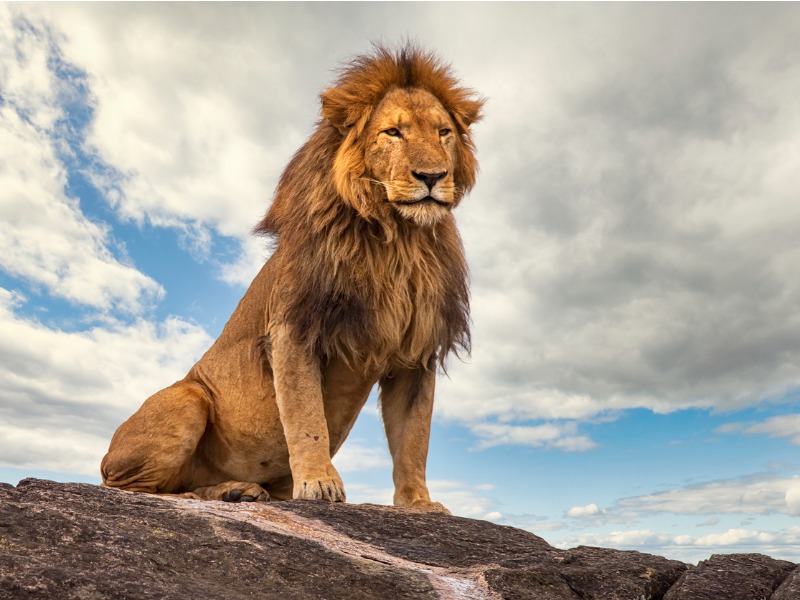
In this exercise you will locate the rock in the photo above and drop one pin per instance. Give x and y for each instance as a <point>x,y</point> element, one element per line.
<point>790,588</point>
<point>80,541</point>
<point>70,541</point>
<point>618,575</point>
<point>428,538</point>
<point>732,577</point>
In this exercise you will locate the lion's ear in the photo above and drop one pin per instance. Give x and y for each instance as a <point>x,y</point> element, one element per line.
<point>337,108</point>
<point>467,111</point>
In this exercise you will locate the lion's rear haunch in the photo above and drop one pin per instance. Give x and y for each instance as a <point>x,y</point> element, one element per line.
<point>367,283</point>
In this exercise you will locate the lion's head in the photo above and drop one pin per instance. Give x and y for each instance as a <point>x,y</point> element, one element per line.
<point>405,135</point>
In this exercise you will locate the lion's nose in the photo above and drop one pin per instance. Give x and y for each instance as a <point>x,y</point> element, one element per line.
<point>429,179</point>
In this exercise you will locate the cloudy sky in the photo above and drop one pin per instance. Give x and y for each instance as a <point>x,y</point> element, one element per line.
<point>633,243</point>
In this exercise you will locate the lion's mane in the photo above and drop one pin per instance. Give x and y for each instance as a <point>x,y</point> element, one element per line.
<point>344,253</point>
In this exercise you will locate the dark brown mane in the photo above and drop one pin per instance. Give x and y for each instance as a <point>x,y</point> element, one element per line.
<point>353,273</point>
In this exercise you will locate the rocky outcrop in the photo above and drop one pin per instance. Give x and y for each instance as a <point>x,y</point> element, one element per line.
<point>69,541</point>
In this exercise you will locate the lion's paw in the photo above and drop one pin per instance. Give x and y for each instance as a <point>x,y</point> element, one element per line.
<point>233,491</point>
<point>427,506</point>
<point>320,488</point>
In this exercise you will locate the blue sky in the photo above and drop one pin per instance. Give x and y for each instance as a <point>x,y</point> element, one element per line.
<point>635,377</point>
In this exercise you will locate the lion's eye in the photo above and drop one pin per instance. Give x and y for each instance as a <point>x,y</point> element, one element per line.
<point>393,132</point>
<point>444,131</point>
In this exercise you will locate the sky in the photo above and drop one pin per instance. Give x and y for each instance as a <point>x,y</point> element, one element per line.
<point>632,242</point>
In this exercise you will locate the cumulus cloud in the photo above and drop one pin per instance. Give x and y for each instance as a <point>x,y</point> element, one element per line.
<point>190,129</point>
<point>793,499</point>
<point>583,512</point>
<point>632,237</point>
<point>64,393</point>
<point>46,239</point>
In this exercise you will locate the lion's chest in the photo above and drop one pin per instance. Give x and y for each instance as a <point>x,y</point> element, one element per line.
<point>388,305</point>
<point>405,325</point>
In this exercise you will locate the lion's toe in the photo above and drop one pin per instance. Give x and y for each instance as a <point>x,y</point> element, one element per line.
<point>323,488</point>
<point>234,491</point>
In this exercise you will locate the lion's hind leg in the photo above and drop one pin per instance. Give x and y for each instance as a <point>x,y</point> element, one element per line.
<point>153,451</point>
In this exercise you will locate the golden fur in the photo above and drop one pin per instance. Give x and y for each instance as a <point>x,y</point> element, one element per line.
<point>367,284</point>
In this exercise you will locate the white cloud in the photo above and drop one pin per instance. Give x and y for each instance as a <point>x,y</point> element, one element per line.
<point>620,539</point>
<point>463,499</point>
<point>254,253</point>
<point>582,512</point>
<point>632,235</point>
<point>25,76</point>
<point>562,436</point>
<point>782,426</point>
<point>793,499</point>
<point>739,537</point>
<point>46,239</point>
<point>69,450</point>
<point>753,495</point>
<point>64,393</point>
<point>355,456</point>
<point>359,493</point>
<point>189,127</point>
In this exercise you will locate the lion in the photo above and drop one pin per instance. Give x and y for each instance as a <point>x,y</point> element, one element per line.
<point>367,284</point>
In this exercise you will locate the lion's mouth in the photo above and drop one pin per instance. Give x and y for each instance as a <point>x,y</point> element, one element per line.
<point>423,201</point>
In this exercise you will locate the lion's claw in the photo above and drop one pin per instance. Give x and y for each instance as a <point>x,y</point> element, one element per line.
<point>322,488</point>
<point>232,495</point>
<point>238,496</point>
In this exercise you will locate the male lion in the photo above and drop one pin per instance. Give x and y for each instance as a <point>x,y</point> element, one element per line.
<point>367,284</point>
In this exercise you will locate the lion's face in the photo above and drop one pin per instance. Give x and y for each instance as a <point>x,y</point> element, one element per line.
<point>401,125</point>
<point>410,150</point>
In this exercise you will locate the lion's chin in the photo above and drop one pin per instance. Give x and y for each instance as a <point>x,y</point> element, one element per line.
<point>424,214</point>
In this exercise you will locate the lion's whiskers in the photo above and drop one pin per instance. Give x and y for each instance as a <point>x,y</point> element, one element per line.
<point>385,184</point>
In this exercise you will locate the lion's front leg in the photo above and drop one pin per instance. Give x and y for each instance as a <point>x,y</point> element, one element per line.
<point>298,391</point>
<point>406,401</point>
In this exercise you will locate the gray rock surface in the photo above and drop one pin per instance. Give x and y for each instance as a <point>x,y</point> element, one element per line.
<point>732,577</point>
<point>68,541</point>
<point>790,588</point>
